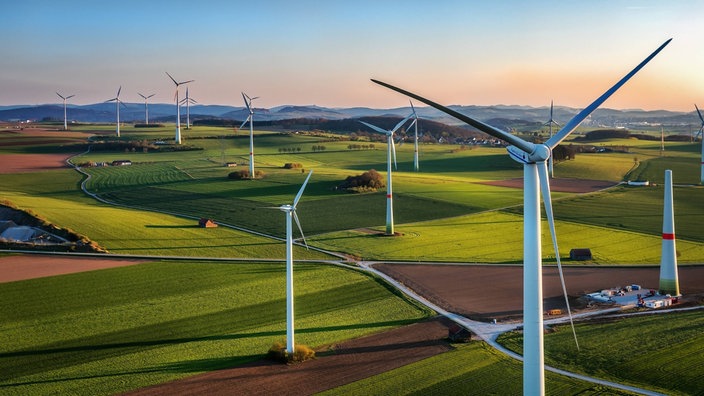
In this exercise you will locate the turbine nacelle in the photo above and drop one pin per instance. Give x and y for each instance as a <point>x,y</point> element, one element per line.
<point>540,153</point>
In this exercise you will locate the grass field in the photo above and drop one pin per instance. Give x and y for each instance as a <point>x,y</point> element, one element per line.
<point>660,352</point>
<point>110,331</point>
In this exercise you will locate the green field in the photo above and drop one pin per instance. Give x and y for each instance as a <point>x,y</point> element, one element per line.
<point>110,331</point>
<point>660,352</point>
<point>113,330</point>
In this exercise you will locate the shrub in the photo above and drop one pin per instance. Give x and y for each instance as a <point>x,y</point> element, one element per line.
<point>301,353</point>
<point>370,180</point>
<point>293,165</point>
<point>244,174</point>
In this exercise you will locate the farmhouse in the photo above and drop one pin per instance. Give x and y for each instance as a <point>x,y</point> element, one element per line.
<point>207,223</point>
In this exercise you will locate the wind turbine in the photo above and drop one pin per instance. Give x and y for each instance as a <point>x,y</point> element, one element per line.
<point>414,124</point>
<point>549,124</point>
<point>701,134</point>
<point>248,103</point>
<point>391,148</point>
<point>188,100</point>
<point>178,107</point>
<point>65,99</point>
<point>118,102</point>
<point>146,107</point>
<point>290,211</point>
<point>533,157</point>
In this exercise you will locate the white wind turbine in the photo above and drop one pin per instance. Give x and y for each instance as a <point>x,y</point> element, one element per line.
<point>118,102</point>
<point>188,100</point>
<point>390,150</point>
<point>549,124</point>
<point>701,134</point>
<point>290,211</point>
<point>534,157</point>
<point>414,124</point>
<point>248,103</point>
<point>178,107</point>
<point>65,98</point>
<point>146,107</point>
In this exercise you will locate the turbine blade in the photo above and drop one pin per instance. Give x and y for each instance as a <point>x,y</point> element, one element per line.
<point>375,128</point>
<point>413,109</point>
<point>412,123</point>
<point>145,98</point>
<point>300,192</point>
<point>403,121</point>
<point>118,92</point>
<point>547,201</point>
<point>246,101</point>
<point>698,112</point>
<point>150,96</point>
<point>486,128</point>
<point>393,149</point>
<point>551,120</point>
<point>298,223</point>
<point>61,96</point>
<point>245,121</point>
<point>185,82</point>
<point>172,79</point>
<point>576,120</point>
<point>70,96</point>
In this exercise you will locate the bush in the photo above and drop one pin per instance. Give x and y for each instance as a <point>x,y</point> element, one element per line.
<point>368,181</point>
<point>301,353</point>
<point>293,165</point>
<point>244,174</point>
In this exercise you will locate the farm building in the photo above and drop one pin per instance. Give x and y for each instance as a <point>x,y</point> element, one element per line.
<point>457,333</point>
<point>207,223</point>
<point>580,254</point>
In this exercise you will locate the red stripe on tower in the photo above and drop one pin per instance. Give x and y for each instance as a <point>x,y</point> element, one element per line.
<point>668,236</point>
<point>388,195</point>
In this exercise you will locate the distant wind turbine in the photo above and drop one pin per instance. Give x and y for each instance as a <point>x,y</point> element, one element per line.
<point>535,178</point>
<point>390,150</point>
<point>414,124</point>
<point>290,211</point>
<point>188,100</point>
<point>248,103</point>
<point>701,134</point>
<point>65,99</point>
<point>549,124</point>
<point>146,107</point>
<point>178,107</point>
<point>118,102</point>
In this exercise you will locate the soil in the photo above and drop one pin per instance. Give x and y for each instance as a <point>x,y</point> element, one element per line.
<point>21,267</point>
<point>25,163</point>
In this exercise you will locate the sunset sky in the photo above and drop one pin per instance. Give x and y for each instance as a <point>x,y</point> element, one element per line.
<point>323,53</point>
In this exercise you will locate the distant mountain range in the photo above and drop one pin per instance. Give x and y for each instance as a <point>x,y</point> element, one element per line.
<point>500,115</point>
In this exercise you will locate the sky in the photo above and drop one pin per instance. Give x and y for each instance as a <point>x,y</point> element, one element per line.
<point>324,53</point>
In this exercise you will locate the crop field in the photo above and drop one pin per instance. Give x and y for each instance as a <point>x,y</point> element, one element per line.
<point>662,352</point>
<point>110,331</point>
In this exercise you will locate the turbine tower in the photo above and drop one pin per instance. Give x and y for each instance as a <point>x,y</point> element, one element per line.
<point>390,149</point>
<point>701,134</point>
<point>65,98</point>
<point>248,103</point>
<point>549,124</point>
<point>188,100</point>
<point>118,102</point>
<point>414,124</point>
<point>535,178</point>
<point>669,283</point>
<point>146,107</point>
<point>178,107</point>
<point>290,211</point>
